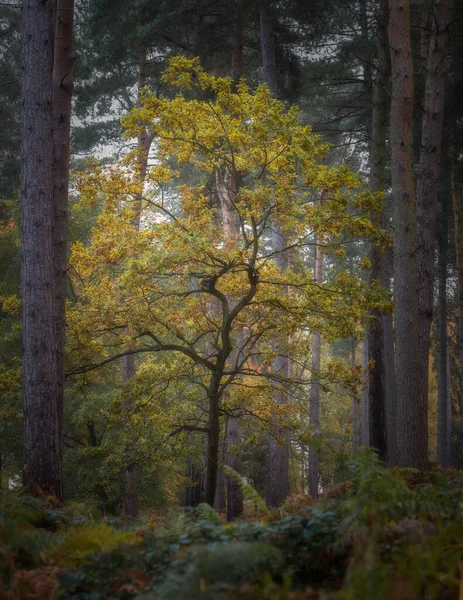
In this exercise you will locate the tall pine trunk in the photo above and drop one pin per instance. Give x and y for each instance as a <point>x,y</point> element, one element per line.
<point>63,85</point>
<point>378,384</point>
<point>426,194</point>
<point>412,425</point>
<point>444,416</point>
<point>42,392</point>
<point>458,220</point>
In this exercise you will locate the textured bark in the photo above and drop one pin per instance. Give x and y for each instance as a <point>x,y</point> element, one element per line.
<point>314,408</point>
<point>355,408</point>
<point>377,388</point>
<point>391,388</point>
<point>426,193</point>
<point>63,84</point>
<point>365,396</point>
<point>412,425</point>
<point>444,418</point>
<point>42,399</point>
<point>128,361</point>
<point>458,219</point>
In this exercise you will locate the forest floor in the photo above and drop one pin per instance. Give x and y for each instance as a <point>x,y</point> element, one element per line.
<point>385,535</point>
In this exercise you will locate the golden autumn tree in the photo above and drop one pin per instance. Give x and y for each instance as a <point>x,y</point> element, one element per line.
<point>196,300</point>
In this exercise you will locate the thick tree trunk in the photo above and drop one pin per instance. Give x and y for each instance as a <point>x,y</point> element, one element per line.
<point>412,426</point>
<point>314,408</point>
<point>426,194</point>
<point>377,389</point>
<point>128,361</point>
<point>42,392</point>
<point>444,419</point>
<point>63,85</point>
<point>458,219</point>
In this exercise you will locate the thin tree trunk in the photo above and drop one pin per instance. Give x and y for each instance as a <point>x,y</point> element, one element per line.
<point>365,395</point>
<point>444,406</point>
<point>42,392</point>
<point>314,408</point>
<point>63,85</point>
<point>377,389</point>
<point>426,194</point>
<point>412,426</point>
<point>268,48</point>
<point>128,361</point>
<point>355,408</point>
<point>458,218</point>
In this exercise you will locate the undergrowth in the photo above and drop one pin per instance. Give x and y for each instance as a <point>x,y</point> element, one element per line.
<point>392,535</point>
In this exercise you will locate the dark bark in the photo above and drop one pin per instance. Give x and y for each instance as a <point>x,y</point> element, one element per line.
<point>365,429</point>
<point>444,419</point>
<point>377,389</point>
<point>268,48</point>
<point>42,397</point>
<point>355,408</point>
<point>426,194</point>
<point>63,84</point>
<point>412,426</point>
<point>458,220</point>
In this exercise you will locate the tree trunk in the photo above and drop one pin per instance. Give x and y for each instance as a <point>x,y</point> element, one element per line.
<point>268,48</point>
<point>355,408</point>
<point>128,361</point>
<point>314,408</point>
<point>365,437</point>
<point>412,426</point>
<point>458,218</point>
<point>427,185</point>
<point>444,419</point>
<point>63,85</point>
<point>377,389</point>
<point>42,393</point>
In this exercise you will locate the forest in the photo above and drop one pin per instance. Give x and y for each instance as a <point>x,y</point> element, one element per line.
<point>231,300</point>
